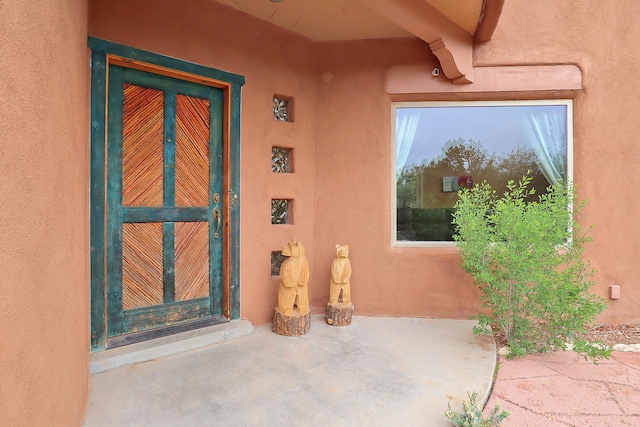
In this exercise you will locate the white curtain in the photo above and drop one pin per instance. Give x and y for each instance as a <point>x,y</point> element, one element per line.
<point>546,132</point>
<point>406,127</point>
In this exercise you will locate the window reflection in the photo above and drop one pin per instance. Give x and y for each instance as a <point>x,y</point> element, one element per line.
<point>441,147</point>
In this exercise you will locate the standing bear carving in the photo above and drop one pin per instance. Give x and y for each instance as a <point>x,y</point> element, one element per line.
<point>294,277</point>
<point>340,277</point>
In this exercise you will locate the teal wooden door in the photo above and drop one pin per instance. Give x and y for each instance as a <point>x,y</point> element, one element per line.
<point>164,207</point>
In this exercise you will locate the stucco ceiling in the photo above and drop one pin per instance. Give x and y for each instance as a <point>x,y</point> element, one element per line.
<point>323,20</point>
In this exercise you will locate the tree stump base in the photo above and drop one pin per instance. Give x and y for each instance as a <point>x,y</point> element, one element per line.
<point>339,314</point>
<point>291,325</point>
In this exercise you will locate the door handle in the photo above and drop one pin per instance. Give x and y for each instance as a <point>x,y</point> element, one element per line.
<point>216,216</point>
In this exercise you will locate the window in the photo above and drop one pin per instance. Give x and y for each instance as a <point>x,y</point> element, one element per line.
<point>443,146</point>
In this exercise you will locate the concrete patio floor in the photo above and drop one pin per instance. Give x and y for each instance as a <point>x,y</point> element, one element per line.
<point>375,372</point>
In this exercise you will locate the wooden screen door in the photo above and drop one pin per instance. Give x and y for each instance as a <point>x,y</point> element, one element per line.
<point>164,205</point>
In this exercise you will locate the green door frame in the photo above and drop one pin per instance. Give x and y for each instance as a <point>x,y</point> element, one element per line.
<point>105,53</point>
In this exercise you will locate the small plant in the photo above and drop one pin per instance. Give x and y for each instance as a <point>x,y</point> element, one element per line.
<point>527,258</point>
<point>471,415</point>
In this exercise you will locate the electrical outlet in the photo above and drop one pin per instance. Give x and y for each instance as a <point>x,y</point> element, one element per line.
<point>614,292</point>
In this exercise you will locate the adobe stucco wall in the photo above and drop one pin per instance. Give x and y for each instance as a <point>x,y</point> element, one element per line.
<point>44,216</point>
<point>353,190</point>
<point>602,39</point>
<point>353,151</point>
<point>342,142</point>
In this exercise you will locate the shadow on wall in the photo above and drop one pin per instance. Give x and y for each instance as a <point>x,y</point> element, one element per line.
<point>434,224</point>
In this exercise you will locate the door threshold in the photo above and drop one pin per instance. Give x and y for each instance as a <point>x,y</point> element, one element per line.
<point>165,346</point>
<point>163,331</point>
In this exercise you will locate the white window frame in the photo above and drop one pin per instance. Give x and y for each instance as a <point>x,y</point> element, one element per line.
<point>434,104</point>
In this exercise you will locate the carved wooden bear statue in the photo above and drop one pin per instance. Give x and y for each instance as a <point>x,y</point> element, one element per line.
<point>340,277</point>
<point>294,277</point>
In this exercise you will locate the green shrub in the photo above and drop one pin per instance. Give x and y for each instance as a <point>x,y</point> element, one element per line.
<point>527,258</point>
<point>471,415</point>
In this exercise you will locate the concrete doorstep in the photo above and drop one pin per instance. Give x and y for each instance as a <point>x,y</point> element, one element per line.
<point>166,346</point>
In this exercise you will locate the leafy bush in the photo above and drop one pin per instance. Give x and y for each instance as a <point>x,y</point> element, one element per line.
<point>527,258</point>
<point>471,415</point>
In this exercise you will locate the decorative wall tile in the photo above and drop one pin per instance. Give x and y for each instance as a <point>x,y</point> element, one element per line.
<point>281,160</point>
<point>282,108</point>
<point>280,211</point>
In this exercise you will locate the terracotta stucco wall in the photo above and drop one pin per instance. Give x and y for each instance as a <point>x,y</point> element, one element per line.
<point>599,38</point>
<point>342,143</point>
<point>353,189</point>
<point>44,216</point>
<point>602,39</point>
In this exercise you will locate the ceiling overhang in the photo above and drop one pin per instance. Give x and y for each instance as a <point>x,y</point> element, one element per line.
<point>449,27</point>
<point>450,43</point>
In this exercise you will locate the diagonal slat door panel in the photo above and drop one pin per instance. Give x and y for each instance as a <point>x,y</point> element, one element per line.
<point>192,151</point>
<point>142,264</point>
<point>164,263</point>
<point>142,146</point>
<point>192,260</point>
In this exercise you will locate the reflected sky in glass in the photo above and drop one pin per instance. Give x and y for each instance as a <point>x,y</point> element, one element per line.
<point>497,128</point>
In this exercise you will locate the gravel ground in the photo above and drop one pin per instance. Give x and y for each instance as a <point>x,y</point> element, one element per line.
<point>609,335</point>
<point>614,334</point>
